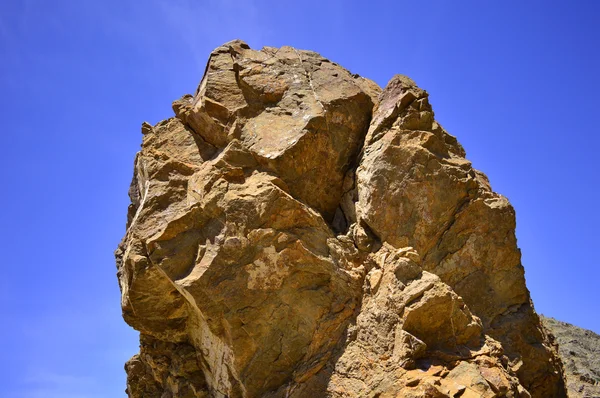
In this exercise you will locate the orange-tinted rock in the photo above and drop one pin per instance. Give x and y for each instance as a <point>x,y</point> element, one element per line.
<point>294,233</point>
<point>415,188</point>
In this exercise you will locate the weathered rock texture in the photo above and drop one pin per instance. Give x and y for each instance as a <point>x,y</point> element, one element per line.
<point>295,231</point>
<point>580,353</point>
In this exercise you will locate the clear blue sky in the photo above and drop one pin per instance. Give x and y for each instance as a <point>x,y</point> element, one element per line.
<point>517,82</point>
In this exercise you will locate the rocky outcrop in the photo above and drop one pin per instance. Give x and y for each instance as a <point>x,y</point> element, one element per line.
<point>294,231</point>
<point>579,350</point>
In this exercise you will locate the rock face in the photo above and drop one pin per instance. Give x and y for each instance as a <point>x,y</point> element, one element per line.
<point>580,353</point>
<point>296,231</point>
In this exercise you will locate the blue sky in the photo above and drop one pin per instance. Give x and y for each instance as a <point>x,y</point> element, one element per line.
<point>517,82</point>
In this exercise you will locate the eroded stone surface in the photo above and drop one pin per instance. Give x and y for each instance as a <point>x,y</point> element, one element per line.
<point>415,188</point>
<point>294,231</point>
<point>302,116</point>
<point>579,350</point>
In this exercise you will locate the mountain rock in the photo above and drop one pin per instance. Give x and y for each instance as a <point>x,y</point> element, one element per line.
<point>296,231</point>
<point>579,350</point>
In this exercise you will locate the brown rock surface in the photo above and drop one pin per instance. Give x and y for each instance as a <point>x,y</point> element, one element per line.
<point>294,231</point>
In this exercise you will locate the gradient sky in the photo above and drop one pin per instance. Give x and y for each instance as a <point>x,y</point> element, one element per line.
<point>516,81</point>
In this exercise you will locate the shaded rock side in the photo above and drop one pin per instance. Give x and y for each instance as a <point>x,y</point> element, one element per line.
<point>579,350</point>
<point>294,231</point>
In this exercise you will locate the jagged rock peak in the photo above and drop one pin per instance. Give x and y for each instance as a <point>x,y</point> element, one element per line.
<point>296,231</point>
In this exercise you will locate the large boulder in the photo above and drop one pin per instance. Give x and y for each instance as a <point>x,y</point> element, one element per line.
<point>294,231</point>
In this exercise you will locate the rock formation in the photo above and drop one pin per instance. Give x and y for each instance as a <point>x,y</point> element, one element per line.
<point>579,350</point>
<point>296,231</point>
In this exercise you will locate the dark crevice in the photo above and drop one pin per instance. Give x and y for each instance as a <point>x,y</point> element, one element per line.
<point>464,203</point>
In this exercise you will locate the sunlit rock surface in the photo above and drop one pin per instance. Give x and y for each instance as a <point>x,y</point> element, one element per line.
<point>296,231</point>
